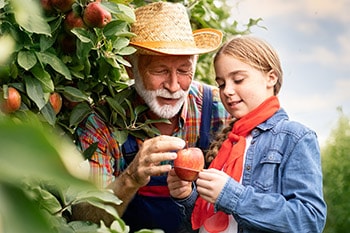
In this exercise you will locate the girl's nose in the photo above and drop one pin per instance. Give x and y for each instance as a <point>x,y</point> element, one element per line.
<point>229,90</point>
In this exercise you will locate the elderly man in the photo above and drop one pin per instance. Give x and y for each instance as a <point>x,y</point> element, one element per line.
<point>163,69</point>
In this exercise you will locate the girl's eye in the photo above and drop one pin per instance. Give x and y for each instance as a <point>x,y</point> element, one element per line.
<point>238,81</point>
<point>221,85</point>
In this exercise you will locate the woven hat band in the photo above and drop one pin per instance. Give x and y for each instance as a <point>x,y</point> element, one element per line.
<point>166,44</point>
<point>164,28</point>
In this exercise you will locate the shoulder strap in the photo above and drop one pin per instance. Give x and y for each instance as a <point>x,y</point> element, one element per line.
<point>204,135</point>
<point>129,149</point>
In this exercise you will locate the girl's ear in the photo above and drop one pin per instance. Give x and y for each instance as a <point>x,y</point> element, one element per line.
<point>272,78</point>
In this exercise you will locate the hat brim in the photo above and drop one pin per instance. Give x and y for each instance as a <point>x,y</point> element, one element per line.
<point>206,40</point>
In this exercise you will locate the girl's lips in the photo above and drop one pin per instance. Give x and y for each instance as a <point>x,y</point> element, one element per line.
<point>233,103</point>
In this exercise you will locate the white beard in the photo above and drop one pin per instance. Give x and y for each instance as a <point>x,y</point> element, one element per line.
<point>150,97</point>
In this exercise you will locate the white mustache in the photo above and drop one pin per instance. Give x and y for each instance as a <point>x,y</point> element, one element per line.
<point>166,94</point>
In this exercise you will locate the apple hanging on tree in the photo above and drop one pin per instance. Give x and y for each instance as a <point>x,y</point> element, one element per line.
<point>96,16</point>
<point>73,20</point>
<point>62,5</point>
<point>56,101</point>
<point>10,102</point>
<point>189,162</point>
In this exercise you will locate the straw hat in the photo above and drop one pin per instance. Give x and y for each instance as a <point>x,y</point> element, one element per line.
<point>163,28</point>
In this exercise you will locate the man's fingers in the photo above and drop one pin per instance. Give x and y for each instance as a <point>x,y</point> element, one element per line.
<point>156,170</point>
<point>156,158</point>
<point>163,143</point>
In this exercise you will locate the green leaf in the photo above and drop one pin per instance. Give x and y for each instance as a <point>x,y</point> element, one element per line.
<point>35,91</point>
<point>90,150</point>
<point>113,27</point>
<point>126,51</point>
<point>17,205</point>
<point>82,34</point>
<point>105,196</point>
<point>79,113</point>
<point>27,150</point>
<point>29,16</point>
<point>47,42</point>
<point>74,94</point>
<point>140,109</point>
<point>49,114</point>
<point>44,77</point>
<point>46,200</point>
<point>55,63</point>
<point>83,227</point>
<point>26,59</point>
<point>121,135</point>
<point>122,61</point>
<point>116,107</point>
<point>120,43</point>
<point>83,50</point>
<point>128,14</point>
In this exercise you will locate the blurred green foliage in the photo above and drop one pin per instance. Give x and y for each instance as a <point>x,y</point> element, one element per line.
<point>41,172</point>
<point>336,176</point>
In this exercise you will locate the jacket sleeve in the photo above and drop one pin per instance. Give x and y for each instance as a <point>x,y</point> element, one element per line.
<point>186,207</point>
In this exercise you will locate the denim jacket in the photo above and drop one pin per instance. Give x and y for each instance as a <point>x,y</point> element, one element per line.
<point>281,188</point>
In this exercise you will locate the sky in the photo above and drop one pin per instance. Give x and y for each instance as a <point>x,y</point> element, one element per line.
<point>312,38</point>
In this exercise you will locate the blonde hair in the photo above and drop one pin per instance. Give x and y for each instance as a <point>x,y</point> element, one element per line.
<point>258,54</point>
<point>255,52</point>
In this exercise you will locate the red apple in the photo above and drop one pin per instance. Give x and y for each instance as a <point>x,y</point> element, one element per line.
<point>73,20</point>
<point>62,5</point>
<point>56,101</point>
<point>189,162</point>
<point>47,6</point>
<point>96,16</point>
<point>11,102</point>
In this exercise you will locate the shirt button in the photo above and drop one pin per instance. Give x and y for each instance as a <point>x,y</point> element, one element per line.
<point>248,167</point>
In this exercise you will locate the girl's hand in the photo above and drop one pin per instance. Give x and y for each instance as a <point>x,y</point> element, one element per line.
<point>210,182</point>
<point>178,188</point>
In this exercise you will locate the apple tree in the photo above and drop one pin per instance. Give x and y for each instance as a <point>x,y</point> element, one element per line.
<point>336,176</point>
<point>60,60</point>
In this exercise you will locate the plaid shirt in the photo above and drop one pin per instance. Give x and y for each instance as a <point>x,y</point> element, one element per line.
<point>108,162</point>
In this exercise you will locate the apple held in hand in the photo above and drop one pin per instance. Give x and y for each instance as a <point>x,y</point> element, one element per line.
<point>189,162</point>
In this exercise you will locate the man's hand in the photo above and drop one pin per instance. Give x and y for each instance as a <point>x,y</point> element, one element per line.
<point>152,152</point>
<point>178,188</point>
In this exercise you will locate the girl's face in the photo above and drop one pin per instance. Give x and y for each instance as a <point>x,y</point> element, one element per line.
<point>242,87</point>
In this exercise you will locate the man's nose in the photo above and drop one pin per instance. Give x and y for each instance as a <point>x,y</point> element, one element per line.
<point>172,82</point>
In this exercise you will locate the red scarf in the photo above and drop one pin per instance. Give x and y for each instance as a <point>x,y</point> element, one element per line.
<point>230,160</point>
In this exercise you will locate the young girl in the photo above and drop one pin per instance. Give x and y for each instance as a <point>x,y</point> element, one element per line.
<point>265,174</point>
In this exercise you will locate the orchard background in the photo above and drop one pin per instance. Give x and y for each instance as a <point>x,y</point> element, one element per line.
<point>60,60</point>
<point>57,64</point>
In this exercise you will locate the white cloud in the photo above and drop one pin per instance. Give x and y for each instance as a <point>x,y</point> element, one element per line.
<point>312,39</point>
